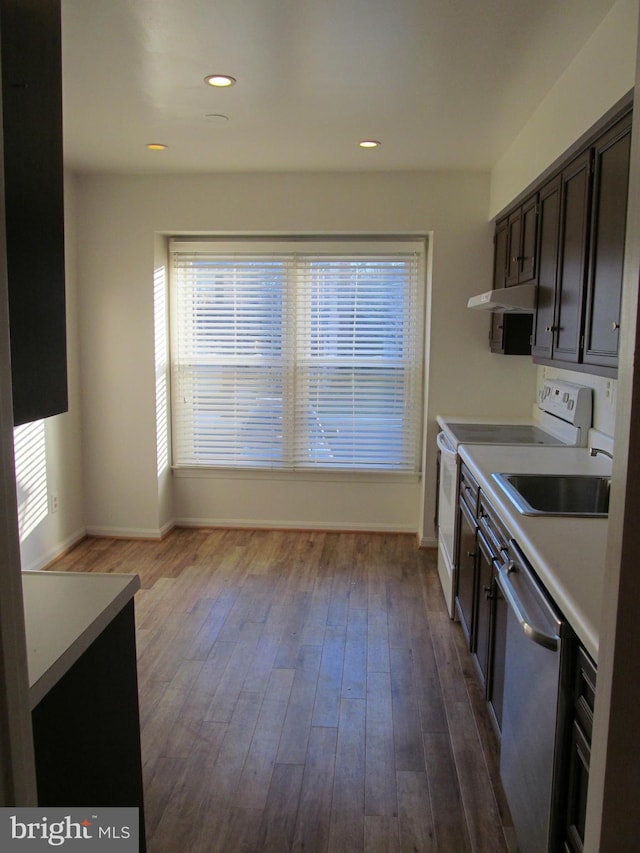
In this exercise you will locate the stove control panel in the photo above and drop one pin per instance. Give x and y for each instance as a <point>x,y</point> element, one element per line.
<point>572,403</point>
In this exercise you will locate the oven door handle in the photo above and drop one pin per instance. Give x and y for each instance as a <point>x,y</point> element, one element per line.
<point>444,446</point>
<point>542,638</point>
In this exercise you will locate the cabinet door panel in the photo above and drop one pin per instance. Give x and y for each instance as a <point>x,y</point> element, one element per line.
<point>521,236</point>
<point>611,180</point>
<point>500,254</point>
<point>499,639</point>
<point>573,259</point>
<point>483,609</point>
<point>465,594</point>
<point>514,231</point>
<point>548,229</point>
<point>578,791</point>
<point>528,235</point>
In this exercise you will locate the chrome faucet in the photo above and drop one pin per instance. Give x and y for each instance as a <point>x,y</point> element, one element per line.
<point>595,450</point>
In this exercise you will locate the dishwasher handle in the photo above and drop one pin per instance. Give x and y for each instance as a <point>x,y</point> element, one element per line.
<point>444,446</point>
<point>536,635</point>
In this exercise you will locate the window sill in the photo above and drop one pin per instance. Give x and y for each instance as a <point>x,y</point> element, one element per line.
<point>298,476</point>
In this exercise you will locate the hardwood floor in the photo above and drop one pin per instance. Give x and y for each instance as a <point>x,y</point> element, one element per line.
<point>304,691</point>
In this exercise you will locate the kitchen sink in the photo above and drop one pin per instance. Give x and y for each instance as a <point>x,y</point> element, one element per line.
<point>557,494</point>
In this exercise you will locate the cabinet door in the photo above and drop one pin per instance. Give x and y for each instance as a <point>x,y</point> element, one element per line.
<point>578,787</point>
<point>496,333</point>
<point>574,233</point>
<point>609,220</point>
<point>500,254</point>
<point>495,690</point>
<point>510,334</point>
<point>522,230</point>
<point>548,231</point>
<point>528,234</point>
<point>32,134</point>
<point>500,263</point>
<point>514,230</point>
<point>483,610</point>
<point>465,593</point>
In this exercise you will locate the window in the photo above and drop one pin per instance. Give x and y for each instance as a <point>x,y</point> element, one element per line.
<point>297,355</point>
<point>30,454</point>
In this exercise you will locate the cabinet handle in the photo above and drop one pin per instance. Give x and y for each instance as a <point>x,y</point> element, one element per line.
<point>615,326</point>
<point>488,593</point>
<point>551,328</point>
<point>471,553</point>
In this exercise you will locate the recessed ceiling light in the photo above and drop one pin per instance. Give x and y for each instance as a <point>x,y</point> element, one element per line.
<point>220,81</point>
<point>156,146</point>
<point>369,143</point>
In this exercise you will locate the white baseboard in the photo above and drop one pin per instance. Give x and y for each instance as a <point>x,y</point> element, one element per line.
<point>131,532</point>
<point>55,551</point>
<point>280,524</point>
<point>429,542</point>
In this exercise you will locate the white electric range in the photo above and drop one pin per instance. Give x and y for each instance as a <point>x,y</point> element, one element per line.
<point>561,416</point>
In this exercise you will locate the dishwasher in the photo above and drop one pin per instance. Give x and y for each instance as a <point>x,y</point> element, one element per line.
<point>539,651</point>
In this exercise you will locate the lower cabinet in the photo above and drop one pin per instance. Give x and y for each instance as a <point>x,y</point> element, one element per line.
<point>484,597</point>
<point>495,691</point>
<point>482,611</point>
<point>579,752</point>
<point>488,652</point>
<point>86,729</point>
<point>466,587</point>
<point>480,606</point>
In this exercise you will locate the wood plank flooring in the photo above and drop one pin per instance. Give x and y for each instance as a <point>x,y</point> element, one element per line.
<point>304,691</point>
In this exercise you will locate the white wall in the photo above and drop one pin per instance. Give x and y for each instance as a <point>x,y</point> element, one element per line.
<point>119,219</point>
<point>601,74</point>
<point>63,433</point>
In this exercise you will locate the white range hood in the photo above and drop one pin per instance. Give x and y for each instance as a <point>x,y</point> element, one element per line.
<point>519,299</point>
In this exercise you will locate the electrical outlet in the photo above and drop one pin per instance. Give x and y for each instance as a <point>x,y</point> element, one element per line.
<point>54,503</point>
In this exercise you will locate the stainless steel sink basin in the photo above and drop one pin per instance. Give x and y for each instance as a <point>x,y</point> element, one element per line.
<point>557,494</point>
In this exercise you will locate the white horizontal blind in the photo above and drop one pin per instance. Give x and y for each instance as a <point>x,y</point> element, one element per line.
<point>297,356</point>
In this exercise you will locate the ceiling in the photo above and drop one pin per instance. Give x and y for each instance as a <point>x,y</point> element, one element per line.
<point>443,84</point>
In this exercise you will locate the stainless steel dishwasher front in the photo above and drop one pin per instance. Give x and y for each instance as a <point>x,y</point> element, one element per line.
<point>539,645</point>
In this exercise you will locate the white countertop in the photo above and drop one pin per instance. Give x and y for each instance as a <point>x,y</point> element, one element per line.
<point>567,553</point>
<point>64,613</point>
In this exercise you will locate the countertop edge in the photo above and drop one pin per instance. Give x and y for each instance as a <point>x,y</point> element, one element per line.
<point>63,663</point>
<point>557,587</point>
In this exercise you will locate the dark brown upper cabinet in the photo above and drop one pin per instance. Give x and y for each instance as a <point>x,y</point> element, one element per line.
<point>562,262</point>
<point>522,229</point>
<point>579,222</point>
<point>510,334</point>
<point>606,258</point>
<point>500,254</point>
<point>34,205</point>
<point>548,242</point>
<point>572,261</point>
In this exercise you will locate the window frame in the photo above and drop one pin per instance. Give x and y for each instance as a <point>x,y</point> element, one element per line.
<point>349,247</point>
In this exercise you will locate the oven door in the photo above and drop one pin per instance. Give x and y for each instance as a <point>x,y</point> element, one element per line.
<point>447,514</point>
